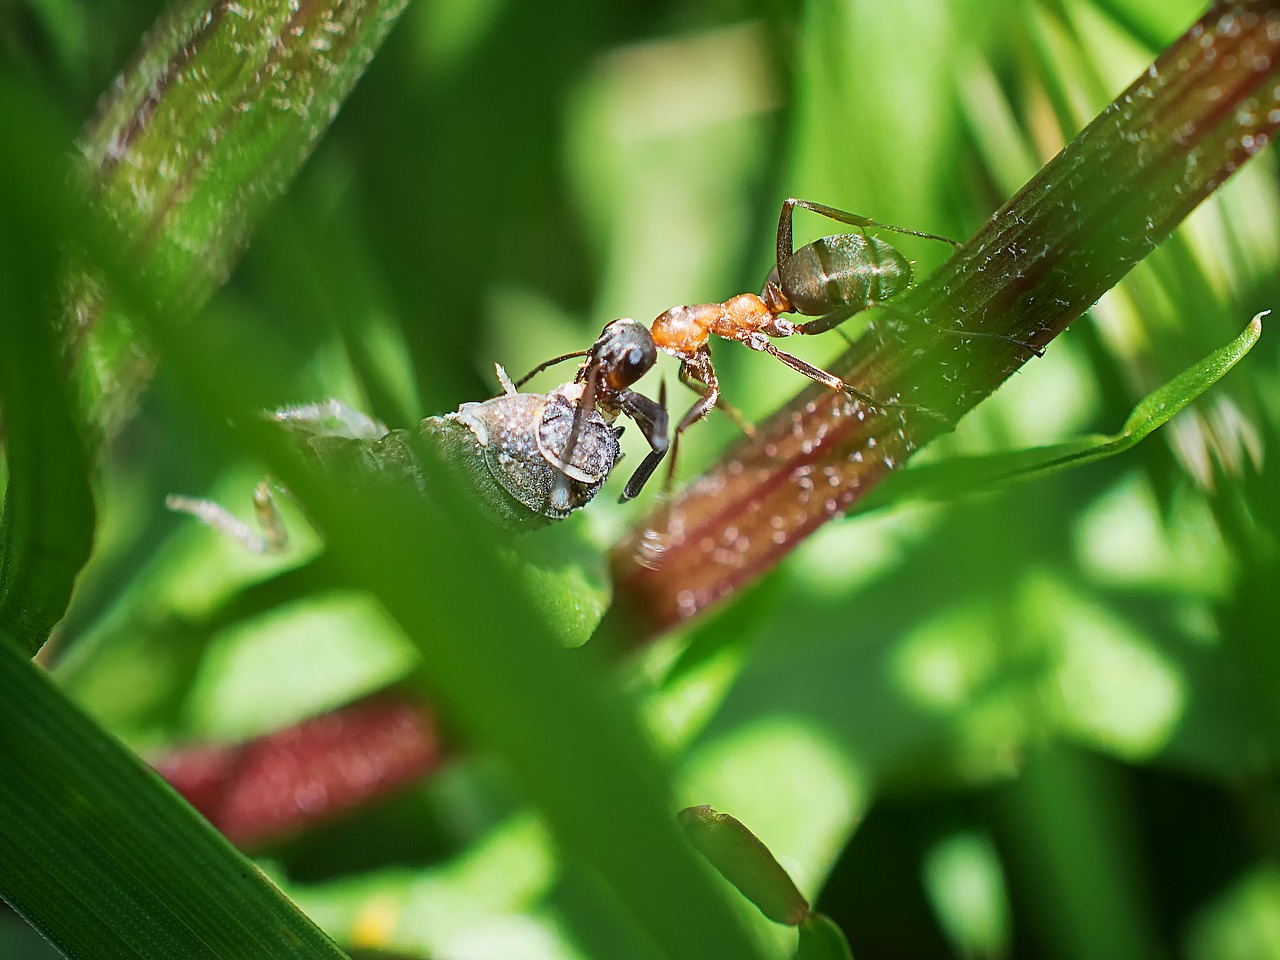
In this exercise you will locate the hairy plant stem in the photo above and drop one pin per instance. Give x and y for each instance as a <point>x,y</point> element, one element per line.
<point>1207,104</point>
<point>204,128</point>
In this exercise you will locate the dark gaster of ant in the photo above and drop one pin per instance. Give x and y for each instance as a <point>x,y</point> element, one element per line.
<point>622,354</point>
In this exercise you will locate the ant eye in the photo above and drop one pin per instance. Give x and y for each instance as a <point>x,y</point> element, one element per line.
<point>636,362</point>
<point>626,352</point>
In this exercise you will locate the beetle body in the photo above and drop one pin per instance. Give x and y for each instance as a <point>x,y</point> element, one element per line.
<point>522,438</point>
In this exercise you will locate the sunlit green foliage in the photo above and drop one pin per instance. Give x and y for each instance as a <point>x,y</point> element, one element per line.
<point>1040,721</point>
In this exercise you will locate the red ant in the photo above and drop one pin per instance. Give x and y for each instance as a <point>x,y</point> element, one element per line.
<point>830,279</point>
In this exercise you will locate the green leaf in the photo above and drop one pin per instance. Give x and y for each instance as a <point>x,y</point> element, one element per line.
<point>822,939</point>
<point>963,475</point>
<point>743,860</point>
<point>48,508</point>
<point>107,861</point>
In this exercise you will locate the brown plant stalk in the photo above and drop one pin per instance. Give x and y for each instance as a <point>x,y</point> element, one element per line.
<point>1204,107</point>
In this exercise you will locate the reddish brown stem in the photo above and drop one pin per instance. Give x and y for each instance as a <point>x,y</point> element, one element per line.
<point>1210,102</point>
<point>287,781</point>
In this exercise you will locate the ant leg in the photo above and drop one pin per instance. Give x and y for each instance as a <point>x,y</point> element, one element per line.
<point>842,216</point>
<point>698,385</point>
<point>831,320</point>
<point>651,418</point>
<point>816,374</point>
<point>955,332</point>
<point>586,403</point>
<point>830,380</point>
<point>694,371</point>
<point>273,538</point>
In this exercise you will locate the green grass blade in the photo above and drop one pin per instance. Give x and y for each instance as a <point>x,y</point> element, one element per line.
<point>952,478</point>
<point>108,862</point>
<point>822,939</point>
<point>48,509</point>
<point>562,727</point>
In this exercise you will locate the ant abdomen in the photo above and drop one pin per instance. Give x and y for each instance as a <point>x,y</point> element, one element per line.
<point>847,269</point>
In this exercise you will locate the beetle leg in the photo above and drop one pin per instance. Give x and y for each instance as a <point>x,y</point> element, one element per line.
<point>273,538</point>
<point>331,418</point>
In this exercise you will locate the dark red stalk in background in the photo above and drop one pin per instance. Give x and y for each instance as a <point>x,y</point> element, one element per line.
<point>270,787</point>
<point>1210,102</point>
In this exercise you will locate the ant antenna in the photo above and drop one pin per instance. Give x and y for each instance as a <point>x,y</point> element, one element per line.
<point>548,363</point>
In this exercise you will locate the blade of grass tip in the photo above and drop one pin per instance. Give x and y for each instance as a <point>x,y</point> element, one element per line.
<point>47,531</point>
<point>741,857</point>
<point>1208,103</point>
<point>964,475</point>
<point>213,117</point>
<point>109,863</point>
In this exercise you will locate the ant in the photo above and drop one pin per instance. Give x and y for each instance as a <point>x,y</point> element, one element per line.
<point>623,353</point>
<point>831,279</point>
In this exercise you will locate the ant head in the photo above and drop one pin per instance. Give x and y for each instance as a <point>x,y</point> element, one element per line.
<point>625,352</point>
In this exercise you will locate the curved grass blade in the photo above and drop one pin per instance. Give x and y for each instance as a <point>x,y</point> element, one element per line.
<point>952,478</point>
<point>492,665</point>
<point>48,522</point>
<point>108,862</point>
<point>822,939</point>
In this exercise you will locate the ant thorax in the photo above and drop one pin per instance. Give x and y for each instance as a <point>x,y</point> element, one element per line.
<point>683,331</point>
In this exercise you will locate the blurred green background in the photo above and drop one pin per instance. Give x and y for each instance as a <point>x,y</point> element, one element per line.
<point>1038,723</point>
